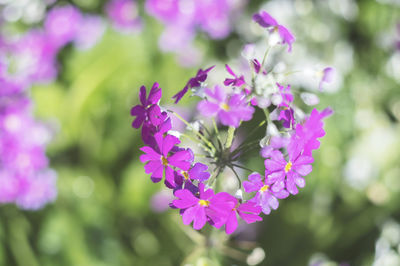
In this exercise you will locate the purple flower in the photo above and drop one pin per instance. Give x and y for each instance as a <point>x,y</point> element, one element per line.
<point>160,161</point>
<point>194,82</point>
<point>267,21</point>
<point>208,207</point>
<point>236,81</point>
<point>148,105</point>
<point>196,172</point>
<point>62,24</point>
<point>34,56</point>
<point>306,135</point>
<point>24,175</point>
<point>266,197</point>
<point>230,110</point>
<point>90,32</point>
<point>298,166</point>
<point>124,15</point>
<point>165,10</point>
<point>327,76</point>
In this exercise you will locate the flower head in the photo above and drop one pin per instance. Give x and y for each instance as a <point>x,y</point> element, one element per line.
<point>148,105</point>
<point>161,161</point>
<point>266,197</point>
<point>230,110</point>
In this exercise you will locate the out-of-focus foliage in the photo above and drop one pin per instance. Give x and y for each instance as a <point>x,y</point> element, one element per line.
<point>103,213</point>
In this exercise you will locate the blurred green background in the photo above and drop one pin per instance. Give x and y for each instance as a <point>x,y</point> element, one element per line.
<point>103,213</point>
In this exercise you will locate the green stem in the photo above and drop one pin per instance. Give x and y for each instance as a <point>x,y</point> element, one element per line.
<point>237,177</point>
<point>242,167</point>
<point>208,143</point>
<point>217,133</point>
<point>229,139</point>
<point>265,56</point>
<point>214,176</point>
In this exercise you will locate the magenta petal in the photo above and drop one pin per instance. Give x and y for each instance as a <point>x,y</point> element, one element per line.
<point>278,186</point>
<point>155,94</point>
<point>275,177</point>
<point>250,217</point>
<point>300,181</point>
<point>137,123</point>
<point>157,174</point>
<point>249,207</point>
<point>186,200</point>
<point>304,160</point>
<point>150,154</point>
<point>200,218</point>
<point>169,142</point>
<point>264,19</point>
<point>207,108</point>
<point>231,223</point>
<point>290,183</point>
<point>169,176</point>
<point>142,95</point>
<point>151,166</point>
<point>137,110</point>
<point>273,166</point>
<point>189,214</point>
<point>282,194</point>
<point>199,172</point>
<point>178,160</point>
<point>303,170</point>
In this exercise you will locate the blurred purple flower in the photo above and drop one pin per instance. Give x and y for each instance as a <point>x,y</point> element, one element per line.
<point>24,175</point>
<point>327,76</point>
<point>124,15</point>
<point>90,32</point>
<point>62,24</point>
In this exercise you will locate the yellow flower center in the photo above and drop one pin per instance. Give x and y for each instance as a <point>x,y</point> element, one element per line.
<point>288,167</point>
<point>264,188</point>
<point>225,107</point>
<point>164,161</point>
<point>185,175</point>
<point>204,203</point>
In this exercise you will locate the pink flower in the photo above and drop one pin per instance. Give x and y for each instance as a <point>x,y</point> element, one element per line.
<point>277,168</point>
<point>306,135</point>
<point>207,207</point>
<point>265,197</point>
<point>160,161</point>
<point>124,15</point>
<point>148,104</point>
<point>230,109</point>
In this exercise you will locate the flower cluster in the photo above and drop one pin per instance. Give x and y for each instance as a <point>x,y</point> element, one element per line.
<point>25,178</point>
<point>182,18</point>
<point>30,58</point>
<point>124,15</point>
<point>193,176</point>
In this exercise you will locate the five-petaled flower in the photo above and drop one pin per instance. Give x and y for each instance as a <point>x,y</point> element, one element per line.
<point>230,109</point>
